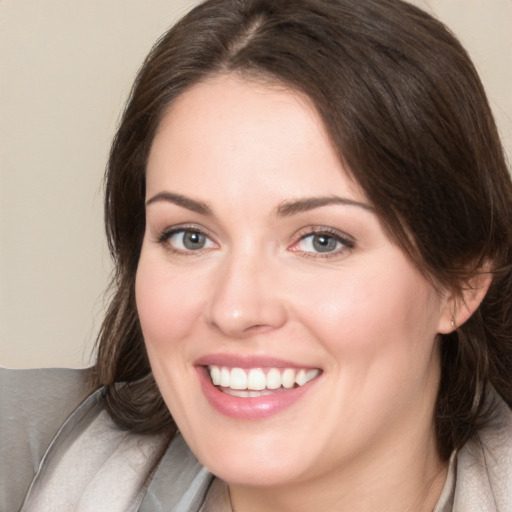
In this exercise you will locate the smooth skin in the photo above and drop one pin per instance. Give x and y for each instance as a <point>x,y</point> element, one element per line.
<point>238,260</point>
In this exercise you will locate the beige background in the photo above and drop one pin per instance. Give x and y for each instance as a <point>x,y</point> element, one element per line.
<point>66,67</point>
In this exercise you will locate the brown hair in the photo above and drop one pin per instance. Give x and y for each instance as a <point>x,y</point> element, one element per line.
<point>404,106</point>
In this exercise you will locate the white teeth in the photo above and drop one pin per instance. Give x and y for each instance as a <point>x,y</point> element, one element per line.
<point>246,393</point>
<point>256,380</point>
<point>300,379</point>
<point>215,375</point>
<point>311,374</point>
<point>288,378</point>
<point>273,378</point>
<point>225,377</point>
<point>238,380</point>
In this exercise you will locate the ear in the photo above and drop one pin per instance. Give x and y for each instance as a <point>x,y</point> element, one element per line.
<point>458,307</point>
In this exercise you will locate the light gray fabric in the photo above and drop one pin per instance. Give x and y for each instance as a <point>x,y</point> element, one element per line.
<point>147,475</point>
<point>445,502</point>
<point>35,447</point>
<point>92,465</point>
<point>484,468</point>
<point>217,498</point>
<point>33,405</point>
<point>179,483</point>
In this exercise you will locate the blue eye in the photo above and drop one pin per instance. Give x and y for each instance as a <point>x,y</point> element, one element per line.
<point>319,242</point>
<point>185,240</point>
<point>323,243</point>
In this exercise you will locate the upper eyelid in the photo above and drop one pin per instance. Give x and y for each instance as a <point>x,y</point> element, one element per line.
<point>185,227</point>
<point>348,243</point>
<point>318,230</point>
<point>299,234</point>
<point>346,238</point>
<point>162,236</point>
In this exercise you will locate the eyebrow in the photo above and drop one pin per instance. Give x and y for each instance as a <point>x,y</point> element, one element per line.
<point>285,209</point>
<point>183,201</point>
<point>289,208</point>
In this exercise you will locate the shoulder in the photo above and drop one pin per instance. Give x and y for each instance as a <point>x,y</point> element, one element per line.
<point>36,402</point>
<point>47,426</point>
<point>33,405</point>
<point>484,466</point>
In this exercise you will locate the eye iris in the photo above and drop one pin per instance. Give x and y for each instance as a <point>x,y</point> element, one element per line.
<point>193,240</point>
<point>324,243</point>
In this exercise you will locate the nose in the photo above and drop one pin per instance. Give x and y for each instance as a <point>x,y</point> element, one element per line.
<point>245,298</point>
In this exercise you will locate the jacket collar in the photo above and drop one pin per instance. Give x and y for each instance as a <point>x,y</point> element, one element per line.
<point>484,466</point>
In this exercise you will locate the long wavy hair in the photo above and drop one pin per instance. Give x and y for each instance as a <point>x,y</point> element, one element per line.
<point>406,111</point>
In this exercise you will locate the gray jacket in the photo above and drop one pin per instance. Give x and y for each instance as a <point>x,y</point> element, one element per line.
<point>60,451</point>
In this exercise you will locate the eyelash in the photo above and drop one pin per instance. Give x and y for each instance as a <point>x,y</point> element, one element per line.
<point>347,243</point>
<point>165,237</point>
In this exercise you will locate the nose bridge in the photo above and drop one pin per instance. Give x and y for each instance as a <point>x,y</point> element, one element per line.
<point>245,297</point>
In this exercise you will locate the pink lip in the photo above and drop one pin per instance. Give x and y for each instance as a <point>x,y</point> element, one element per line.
<point>247,361</point>
<point>250,408</point>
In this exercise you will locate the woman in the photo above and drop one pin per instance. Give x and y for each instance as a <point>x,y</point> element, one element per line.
<point>309,210</point>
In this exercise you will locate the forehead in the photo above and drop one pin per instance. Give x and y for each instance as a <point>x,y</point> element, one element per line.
<point>233,129</point>
<point>239,104</point>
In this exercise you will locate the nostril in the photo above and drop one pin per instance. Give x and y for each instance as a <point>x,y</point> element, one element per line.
<point>261,328</point>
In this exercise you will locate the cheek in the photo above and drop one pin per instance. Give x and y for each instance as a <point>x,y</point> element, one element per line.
<point>388,312</point>
<point>167,303</point>
<point>379,331</point>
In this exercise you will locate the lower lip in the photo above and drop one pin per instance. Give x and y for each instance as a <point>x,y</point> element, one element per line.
<point>250,408</point>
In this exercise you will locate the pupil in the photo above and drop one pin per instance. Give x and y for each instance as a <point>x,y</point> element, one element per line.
<point>193,240</point>
<point>324,243</point>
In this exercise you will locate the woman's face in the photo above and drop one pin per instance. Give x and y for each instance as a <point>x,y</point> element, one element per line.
<point>290,338</point>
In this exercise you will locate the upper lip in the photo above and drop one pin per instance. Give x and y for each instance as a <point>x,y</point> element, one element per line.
<point>248,361</point>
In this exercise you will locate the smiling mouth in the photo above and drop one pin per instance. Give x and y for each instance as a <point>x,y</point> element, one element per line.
<point>257,382</point>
